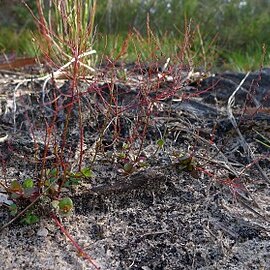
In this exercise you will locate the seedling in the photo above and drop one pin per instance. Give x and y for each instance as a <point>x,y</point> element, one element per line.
<point>129,162</point>
<point>63,206</point>
<point>187,163</point>
<point>30,218</point>
<point>75,178</point>
<point>128,168</point>
<point>25,190</point>
<point>51,182</point>
<point>16,190</point>
<point>13,209</point>
<point>160,143</point>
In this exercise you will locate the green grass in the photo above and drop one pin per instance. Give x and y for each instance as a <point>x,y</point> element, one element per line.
<point>242,61</point>
<point>129,47</point>
<point>20,42</point>
<point>223,34</point>
<point>204,55</point>
<point>66,29</point>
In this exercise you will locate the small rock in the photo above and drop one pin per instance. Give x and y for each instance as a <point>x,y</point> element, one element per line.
<point>146,268</point>
<point>4,199</point>
<point>42,232</point>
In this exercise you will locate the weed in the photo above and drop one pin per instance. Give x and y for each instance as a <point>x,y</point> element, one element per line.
<point>123,117</point>
<point>67,31</point>
<point>120,118</point>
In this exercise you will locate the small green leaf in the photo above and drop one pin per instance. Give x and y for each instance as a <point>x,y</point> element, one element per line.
<point>65,205</point>
<point>13,209</point>
<point>52,172</point>
<point>28,183</point>
<point>160,143</point>
<point>125,146</point>
<point>122,155</point>
<point>87,172</point>
<point>128,167</point>
<point>15,189</point>
<point>50,181</point>
<point>30,219</point>
<point>72,181</point>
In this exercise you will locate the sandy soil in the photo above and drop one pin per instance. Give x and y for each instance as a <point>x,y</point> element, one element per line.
<point>163,216</point>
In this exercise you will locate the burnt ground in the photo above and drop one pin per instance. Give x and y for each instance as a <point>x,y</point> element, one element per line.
<point>211,213</point>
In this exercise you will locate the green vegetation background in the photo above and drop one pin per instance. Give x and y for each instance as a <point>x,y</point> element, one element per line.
<point>227,34</point>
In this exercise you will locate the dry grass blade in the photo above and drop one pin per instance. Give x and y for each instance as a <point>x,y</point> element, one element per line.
<point>231,101</point>
<point>243,142</point>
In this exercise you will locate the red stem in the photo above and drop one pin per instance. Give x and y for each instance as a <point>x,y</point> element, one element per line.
<point>74,243</point>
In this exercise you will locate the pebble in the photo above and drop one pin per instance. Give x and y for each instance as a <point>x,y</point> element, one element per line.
<point>42,232</point>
